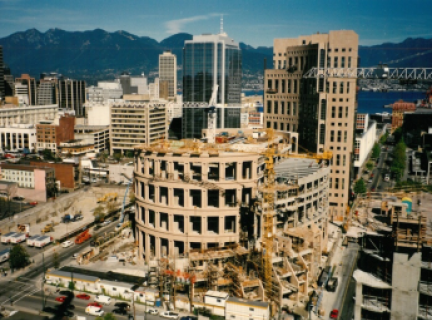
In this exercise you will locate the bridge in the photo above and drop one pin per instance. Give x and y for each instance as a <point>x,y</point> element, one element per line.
<point>371,73</point>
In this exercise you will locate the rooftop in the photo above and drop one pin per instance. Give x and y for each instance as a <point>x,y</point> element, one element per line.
<point>248,302</point>
<point>78,276</point>
<point>296,168</point>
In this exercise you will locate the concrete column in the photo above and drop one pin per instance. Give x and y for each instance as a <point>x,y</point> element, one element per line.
<point>156,194</point>
<point>147,247</point>
<point>170,222</point>
<point>358,301</point>
<point>1,139</point>
<point>171,248</point>
<point>239,176</point>
<point>17,141</point>
<point>11,140</point>
<point>157,247</point>
<point>204,226</point>
<point>157,220</point>
<point>221,225</point>
<point>146,191</point>
<point>140,246</point>
<point>204,198</point>
<point>146,166</point>
<point>221,200</point>
<point>170,198</point>
<point>204,171</point>
<point>222,171</point>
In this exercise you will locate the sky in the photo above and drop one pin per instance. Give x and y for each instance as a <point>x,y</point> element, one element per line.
<point>253,22</point>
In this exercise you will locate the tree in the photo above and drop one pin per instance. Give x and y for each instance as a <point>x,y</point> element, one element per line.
<point>117,156</point>
<point>56,260</point>
<point>399,160</point>
<point>48,155</point>
<point>107,316</point>
<point>369,165</point>
<point>102,157</point>
<point>71,285</point>
<point>19,258</point>
<point>360,186</point>
<point>99,213</point>
<point>376,151</point>
<point>129,154</point>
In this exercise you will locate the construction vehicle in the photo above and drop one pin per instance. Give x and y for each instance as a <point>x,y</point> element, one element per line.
<point>23,228</point>
<point>48,228</point>
<point>82,237</point>
<point>108,197</point>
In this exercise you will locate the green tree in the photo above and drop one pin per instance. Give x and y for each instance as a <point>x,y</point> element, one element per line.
<point>56,260</point>
<point>48,155</point>
<point>102,157</point>
<point>107,316</point>
<point>360,186</point>
<point>71,285</point>
<point>376,151</point>
<point>397,135</point>
<point>399,160</point>
<point>117,156</point>
<point>19,258</point>
<point>129,154</point>
<point>99,213</point>
<point>383,138</point>
<point>369,165</point>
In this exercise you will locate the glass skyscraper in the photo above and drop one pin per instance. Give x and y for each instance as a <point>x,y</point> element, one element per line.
<point>208,60</point>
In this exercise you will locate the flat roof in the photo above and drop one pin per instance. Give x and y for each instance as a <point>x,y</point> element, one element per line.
<point>116,283</point>
<point>23,167</point>
<point>370,280</point>
<point>216,294</point>
<point>259,304</point>
<point>69,275</point>
<point>296,168</point>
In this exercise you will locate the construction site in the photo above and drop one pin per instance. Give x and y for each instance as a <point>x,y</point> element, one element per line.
<point>246,215</point>
<point>394,275</point>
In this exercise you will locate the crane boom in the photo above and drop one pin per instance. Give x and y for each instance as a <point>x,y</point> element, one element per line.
<point>124,197</point>
<point>372,73</point>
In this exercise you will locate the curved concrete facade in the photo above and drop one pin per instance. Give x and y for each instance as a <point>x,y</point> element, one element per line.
<point>185,201</point>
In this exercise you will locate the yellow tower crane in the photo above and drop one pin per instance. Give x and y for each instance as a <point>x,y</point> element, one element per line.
<point>268,190</point>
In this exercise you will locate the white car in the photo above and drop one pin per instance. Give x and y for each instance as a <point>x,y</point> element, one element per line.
<point>169,314</point>
<point>67,244</point>
<point>94,311</point>
<point>152,311</point>
<point>387,177</point>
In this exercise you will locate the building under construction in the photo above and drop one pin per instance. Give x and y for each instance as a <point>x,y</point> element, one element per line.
<point>394,275</point>
<point>245,215</point>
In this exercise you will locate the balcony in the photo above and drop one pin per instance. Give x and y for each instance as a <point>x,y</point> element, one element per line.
<point>425,287</point>
<point>376,304</point>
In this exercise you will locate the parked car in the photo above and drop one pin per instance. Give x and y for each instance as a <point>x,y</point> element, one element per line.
<point>120,311</point>
<point>94,311</point>
<point>94,304</point>
<point>106,222</point>
<point>152,311</point>
<point>33,203</point>
<point>189,318</point>
<point>370,180</point>
<point>169,314</point>
<point>122,305</point>
<point>67,243</point>
<point>60,299</point>
<point>18,198</point>
<point>103,299</point>
<point>334,314</point>
<point>83,296</point>
<point>387,177</point>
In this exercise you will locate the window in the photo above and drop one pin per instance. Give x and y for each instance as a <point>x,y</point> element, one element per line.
<point>333,112</point>
<point>282,107</point>
<point>321,85</point>
<point>218,300</point>
<point>323,109</point>
<point>283,85</point>
<point>322,59</point>
<point>288,127</point>
<point>331,183</point>
<point>322,133</point>
<point>251,309</point>
<point>295,86</point>
<point>342,62</point>
<point>114,289</point>
<point>348,85</point>
<point>328,61</point>
<point>268,106</point>
<point>275,125</point>
<point>269,84</point>
<point>338,159</point>
<point>339,136</point>
<point>343,184</point>
<point>344,160</point>
<point>289,85</point>
<point>335,63</point>
<point>341,87</point>
<point>332,136</point>
<point>334,86</point>
<point>294,108</point>
<point>346,112</point>
<point>268,124</point>
<point>336,183</point>
<point>349,61</point>
<point>276,109</point>
<point>288,108</point>
<point>277,81</point>
<point>340,113</point>
<point>345,136</point>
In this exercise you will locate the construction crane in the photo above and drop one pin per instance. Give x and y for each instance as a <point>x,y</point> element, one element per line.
<point>212,115</point>
<point>124,198</point>
<point>268,190</point>
<point>379,72</point>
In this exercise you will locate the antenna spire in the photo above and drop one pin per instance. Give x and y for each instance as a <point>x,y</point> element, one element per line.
<point>221,24</point>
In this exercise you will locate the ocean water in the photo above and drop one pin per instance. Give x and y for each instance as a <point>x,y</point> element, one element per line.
<point>373,102</point>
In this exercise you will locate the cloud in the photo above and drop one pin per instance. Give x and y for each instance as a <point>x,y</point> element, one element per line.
<point>176,26</point>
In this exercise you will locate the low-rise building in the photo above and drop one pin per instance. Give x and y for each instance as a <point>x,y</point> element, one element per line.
<point>81,281</point>
<point>76,148</point>
<point>214,301</point>
<point>399,109</point>
<point>241,309</point>
<point>66,174</point>
<point>11,114</point>
<point>49,136</point>
<point>18,137</point>
<point>96,135</point>
<point>34,183</point>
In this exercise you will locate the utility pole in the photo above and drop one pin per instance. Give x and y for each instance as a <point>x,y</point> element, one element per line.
<point>42,282</point>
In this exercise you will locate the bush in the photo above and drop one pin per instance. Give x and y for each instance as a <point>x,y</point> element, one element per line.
<point>376,151</point>
<point>360,186</point>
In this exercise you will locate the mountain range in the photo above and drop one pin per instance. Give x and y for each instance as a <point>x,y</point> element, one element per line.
<point>98,54</point>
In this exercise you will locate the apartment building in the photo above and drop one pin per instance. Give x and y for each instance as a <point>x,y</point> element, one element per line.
<point>320,109</point>
<point>18,137</point>
<point>33,182</point>
<point>136,121</point>
<point>365,138</point>
<point>72,95</point>
<point>49,136</point>
<point>168,72</point>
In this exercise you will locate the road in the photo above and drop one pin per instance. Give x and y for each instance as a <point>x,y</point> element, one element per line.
<point>378,184</point>
<point>16,289</point>
<point>344,299</point>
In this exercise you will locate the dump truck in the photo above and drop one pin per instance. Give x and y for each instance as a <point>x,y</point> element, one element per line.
<point>31,240</point>
<point>42,241</point>
<point>82,237</point>
<point>7,237</point>
<point>48,228</point>
<point>332,284</point>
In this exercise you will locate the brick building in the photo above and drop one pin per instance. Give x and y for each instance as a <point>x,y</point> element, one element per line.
<point>399,108</point>
<point>66,173</point>
<point>49,136</point>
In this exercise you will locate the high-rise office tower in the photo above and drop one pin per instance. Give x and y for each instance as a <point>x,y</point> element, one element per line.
<point>133,84</point>
<point>47,92</point>
<point>72,95</point>
<point>320,109</point>
<point>2,80</point>
<point>26,85</point>
<point>210,60</point>
<point>168,72</point>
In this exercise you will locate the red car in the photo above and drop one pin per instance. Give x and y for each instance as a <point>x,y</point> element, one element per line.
<point>334,314</point>
<point>83,296</point>
<point>33,203</point>
<point>60,299</point>
<point>95,304</point>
